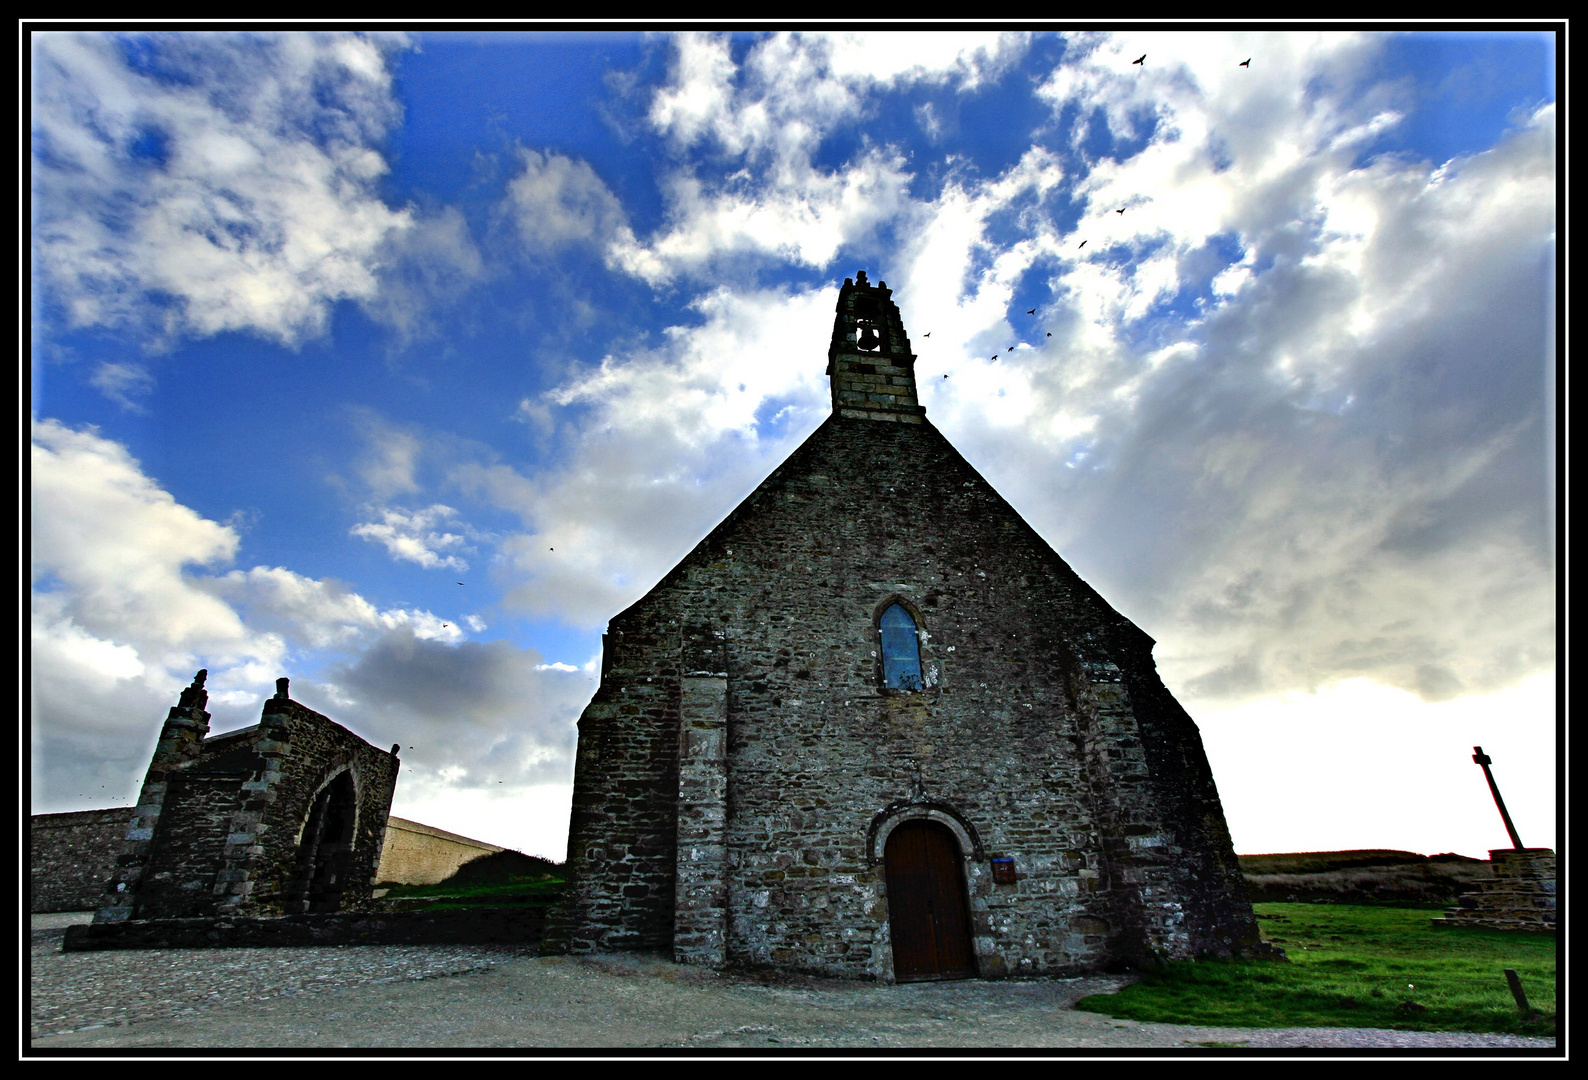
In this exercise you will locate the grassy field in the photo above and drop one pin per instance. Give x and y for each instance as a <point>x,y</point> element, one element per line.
<point>1355,966</point>
<point>504,880</point>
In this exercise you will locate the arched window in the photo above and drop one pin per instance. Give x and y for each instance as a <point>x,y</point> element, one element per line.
<point>901,650</point>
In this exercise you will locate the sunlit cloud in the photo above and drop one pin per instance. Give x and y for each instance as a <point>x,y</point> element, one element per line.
<point>193,184</point>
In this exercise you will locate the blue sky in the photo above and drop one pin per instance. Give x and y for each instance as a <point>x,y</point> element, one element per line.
<point>399,363</point>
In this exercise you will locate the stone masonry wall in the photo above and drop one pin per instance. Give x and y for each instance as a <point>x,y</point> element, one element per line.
<point>71,857</point>
<point>180,743</point>
<point>304,751</point>
<point>1043,725</point>
<point>623,826</point>
<point>1520,896</point>
<point>217,827</point>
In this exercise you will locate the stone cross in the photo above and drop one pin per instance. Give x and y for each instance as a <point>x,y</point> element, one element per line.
<point>1484,759</point>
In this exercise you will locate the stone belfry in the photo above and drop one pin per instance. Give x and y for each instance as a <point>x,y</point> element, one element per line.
<point>873,726</point>
<point>869,361</point>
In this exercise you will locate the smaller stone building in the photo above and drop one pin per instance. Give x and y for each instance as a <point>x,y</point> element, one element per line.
<point>283,817</point>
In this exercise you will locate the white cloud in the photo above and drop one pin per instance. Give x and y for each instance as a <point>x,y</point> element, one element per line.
<point>1229,428</point>
<point>390,459</point>
<point>193,184</point>
<point>965,59</point>
<point>131,595</point>
<point>555,201</point>
<point>1329,469</point>
<point>121,382</point>
<point>804,218</point>
<point>793,88</point>
<point>416,536</point>
<point>773,110</point>
<point>422,269</point>
<point>664,442</point>
<point>117,545</point>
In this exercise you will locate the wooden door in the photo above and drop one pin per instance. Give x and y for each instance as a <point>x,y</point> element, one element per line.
<point>927,909</point>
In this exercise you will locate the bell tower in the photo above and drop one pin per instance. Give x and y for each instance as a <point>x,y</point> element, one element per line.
<point>869,361</point>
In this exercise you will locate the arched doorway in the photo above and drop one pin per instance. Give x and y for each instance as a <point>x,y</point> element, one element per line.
<point>327,848</point>
<point>928,915</point>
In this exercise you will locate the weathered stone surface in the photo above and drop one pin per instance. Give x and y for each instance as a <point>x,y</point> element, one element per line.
<point>477,926</point>
<point>1041,733</point>
<point>286,816</point>
<point>1521,895</point>
<point>71,856</point>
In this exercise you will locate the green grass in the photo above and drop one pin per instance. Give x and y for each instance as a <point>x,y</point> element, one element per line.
<point>1355,966</point>
<point>530,891</point>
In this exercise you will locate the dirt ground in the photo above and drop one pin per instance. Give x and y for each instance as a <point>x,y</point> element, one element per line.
<point>438,997</point>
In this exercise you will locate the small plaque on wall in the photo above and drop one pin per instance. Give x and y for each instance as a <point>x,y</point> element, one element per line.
<point>1003,871</point>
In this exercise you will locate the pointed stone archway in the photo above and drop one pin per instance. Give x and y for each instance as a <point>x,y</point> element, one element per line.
<point>325,852</point>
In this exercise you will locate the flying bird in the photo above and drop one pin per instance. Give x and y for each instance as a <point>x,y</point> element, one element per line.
<point>994,356</point>
<point>1083,244</point>
<point>1139,59</point>
<point>927,334</point>
<point>460,583</point>
<point>945,376</point>
<point>1050,333</point>
<point>1121,210</point>
<point>1245,63</point>
<point>1032,311</point>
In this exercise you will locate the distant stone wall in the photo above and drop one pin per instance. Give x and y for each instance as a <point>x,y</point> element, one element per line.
<point>416,854</point>
<point>72,857</point>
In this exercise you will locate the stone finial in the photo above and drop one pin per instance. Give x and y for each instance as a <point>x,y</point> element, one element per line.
<point>195,696</point>
<point>860,277</point>
<point>281,688</point>
<point>395,747</point>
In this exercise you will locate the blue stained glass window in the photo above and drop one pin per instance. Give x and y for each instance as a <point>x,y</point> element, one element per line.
<point>901,650</point>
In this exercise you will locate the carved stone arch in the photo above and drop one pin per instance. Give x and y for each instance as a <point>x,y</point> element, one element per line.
<point>323,863</point>
<point>903,601</point>
<point>895,814</point>
<point>331,773</point>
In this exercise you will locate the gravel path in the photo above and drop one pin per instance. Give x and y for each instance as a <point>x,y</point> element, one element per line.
<point>393,996</point>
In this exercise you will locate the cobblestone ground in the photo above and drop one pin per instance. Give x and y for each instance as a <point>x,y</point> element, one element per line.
<point>84,990</point>
<point>423,997</point>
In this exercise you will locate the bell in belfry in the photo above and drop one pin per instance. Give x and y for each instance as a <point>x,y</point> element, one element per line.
<point>868,339</point>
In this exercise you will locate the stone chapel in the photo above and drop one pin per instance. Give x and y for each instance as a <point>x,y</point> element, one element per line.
<point>874,727</point>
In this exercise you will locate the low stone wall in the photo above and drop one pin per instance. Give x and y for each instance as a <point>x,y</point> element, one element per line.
<point>1521,895</point>
<point>416,854</point>
<point>72,856</point>
<point>476,926</point>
